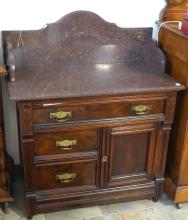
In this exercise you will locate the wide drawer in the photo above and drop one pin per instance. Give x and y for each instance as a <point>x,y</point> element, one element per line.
<point>94,111</point>
<point>73,174</point>
<point>65,142</point>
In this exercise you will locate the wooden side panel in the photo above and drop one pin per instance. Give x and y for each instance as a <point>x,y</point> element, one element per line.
<point>183,140</point>
<point>177,160</point>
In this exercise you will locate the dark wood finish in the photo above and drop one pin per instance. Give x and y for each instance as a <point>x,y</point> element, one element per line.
<point>123,169</point>
<point>84,170</point>
<point>119,108</point>
<point>131,154</point>
<point>175,10</point>
<point>86,140</point>
<point>114,162</point>
<point>175,46</point>
<point>5,160</point>
<point>96,110</point>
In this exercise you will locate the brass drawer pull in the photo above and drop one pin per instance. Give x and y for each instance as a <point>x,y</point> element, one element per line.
<point>104,158</point>
<point>66,144</point>
<point>66,177</point>
<point>141,109</point>
<point>61,116</point>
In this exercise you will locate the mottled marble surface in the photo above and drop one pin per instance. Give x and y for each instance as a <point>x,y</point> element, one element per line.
<point>83,37</point>
<point>87,80</point>
<point>83,55</point>
<point>162,210</point>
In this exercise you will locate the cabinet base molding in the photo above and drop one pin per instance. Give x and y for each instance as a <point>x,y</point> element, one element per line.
<point>45,201</point>
<point>177,193</point>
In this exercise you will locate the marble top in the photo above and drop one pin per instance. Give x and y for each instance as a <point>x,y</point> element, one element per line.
<point>87,80</point>
<point>83,55</point>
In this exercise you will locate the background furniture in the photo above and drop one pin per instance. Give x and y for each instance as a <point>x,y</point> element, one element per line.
<point>95,111</point>
<point>5,161</point>
<point>175,46</point>
<point>175,10</point>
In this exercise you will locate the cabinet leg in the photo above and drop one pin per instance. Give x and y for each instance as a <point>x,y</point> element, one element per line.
<point>155,199</point>
<point>6,208</point>
<point>178,205</point>
<point>159,188</point>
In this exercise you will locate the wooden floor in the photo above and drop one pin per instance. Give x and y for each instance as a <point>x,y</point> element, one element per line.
<point>162,210</point>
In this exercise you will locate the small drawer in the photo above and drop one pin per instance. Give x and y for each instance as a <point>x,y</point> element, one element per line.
<point>97,111</point>
<point>64,175</point>
<point>65,142</point>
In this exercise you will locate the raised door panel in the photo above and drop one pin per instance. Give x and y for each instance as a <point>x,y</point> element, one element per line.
<point>130,154</point>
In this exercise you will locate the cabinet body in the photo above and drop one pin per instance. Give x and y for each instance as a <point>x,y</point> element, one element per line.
<point>104,150</point>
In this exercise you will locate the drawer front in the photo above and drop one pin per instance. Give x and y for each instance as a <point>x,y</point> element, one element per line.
<point>96,111</point>
<point>80,174</point>
<point>65,142</point>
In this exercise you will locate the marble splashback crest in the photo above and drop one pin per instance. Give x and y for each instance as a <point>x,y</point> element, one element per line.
<point>83,37</point>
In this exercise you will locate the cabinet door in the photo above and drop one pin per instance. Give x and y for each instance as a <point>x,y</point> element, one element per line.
<point>130,154</point>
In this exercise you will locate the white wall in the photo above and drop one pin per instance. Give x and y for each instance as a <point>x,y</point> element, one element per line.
<point>34,14</point>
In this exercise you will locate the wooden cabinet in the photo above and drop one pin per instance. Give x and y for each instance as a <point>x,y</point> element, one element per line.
<point>95,111</point>
<point>175,46</point>
<point>87,161</point>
